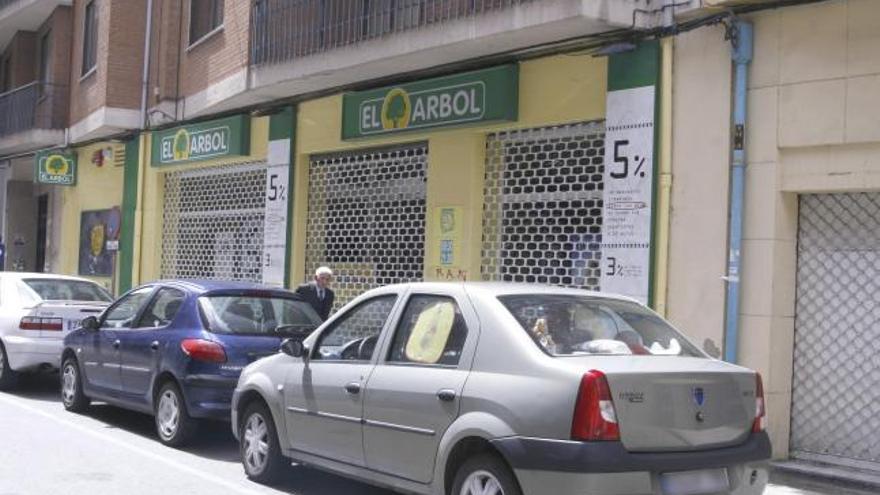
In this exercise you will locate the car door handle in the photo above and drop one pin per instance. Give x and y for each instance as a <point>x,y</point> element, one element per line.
<point>116,344</point>
<point>353,388</point>
<point>154,345</point>
<point>446,395</point>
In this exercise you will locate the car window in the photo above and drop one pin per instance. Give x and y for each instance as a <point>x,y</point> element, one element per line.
<point>354,336</point>
<point>122,314</point>
<point>57,289</point>
<point>162,309</point>
<point>432,331</point>
<point>258,313</point>
<point>26,296</point>
<point>568,325</point>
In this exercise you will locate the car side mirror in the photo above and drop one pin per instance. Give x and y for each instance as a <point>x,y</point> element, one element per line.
<point>90,323</point>
<point>294,347</point>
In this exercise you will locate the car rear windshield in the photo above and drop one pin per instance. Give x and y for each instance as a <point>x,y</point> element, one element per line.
<point>57,289</point>
<point>258,314</point>
<point>567,325</point>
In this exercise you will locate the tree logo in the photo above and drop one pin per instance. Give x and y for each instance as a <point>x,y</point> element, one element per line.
<point>57,165</point>
<point>396,110</point>
<point>181,145</point>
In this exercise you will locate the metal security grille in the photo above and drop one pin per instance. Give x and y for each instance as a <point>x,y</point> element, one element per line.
<point>542,212</point>
<point>366,218</point>
<point>836,387</point>
<point>213,223</point>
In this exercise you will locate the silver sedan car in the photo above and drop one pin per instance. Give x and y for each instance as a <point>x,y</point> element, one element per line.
<point>488,389</point>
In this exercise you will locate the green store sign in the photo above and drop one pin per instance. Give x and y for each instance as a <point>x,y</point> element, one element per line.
<point>490,95</point>
<point>56,168</point>
<point>221,138</point>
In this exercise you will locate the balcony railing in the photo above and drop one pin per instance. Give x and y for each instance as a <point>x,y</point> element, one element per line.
<point>283,30</point>
<point>33,106</point>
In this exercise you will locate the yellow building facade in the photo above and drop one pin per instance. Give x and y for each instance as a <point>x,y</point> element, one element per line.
<point>268,198</point>
<point>553,93</point>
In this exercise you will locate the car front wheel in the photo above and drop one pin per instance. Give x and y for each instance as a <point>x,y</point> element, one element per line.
<point>485,474</point>
<point>8,377</point>
<point>72,396</point>
<point>260,452</point>
<point>173,423</point>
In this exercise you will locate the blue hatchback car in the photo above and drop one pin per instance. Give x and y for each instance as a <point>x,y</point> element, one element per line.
<point>175,349</point>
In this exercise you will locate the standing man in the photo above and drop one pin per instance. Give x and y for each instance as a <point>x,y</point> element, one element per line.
<point>318,292</point>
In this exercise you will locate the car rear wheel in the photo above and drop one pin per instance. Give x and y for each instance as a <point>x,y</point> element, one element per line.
<point>173,423</point>
<point>8,377</point>
<point>72,396</point>
<point>485,474</point>
<point>260,453</point>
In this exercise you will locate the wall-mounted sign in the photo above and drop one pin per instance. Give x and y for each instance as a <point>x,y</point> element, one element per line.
<point>55,167</point>
<point>628,194</point>
<point>275,219</point>
<point>221,138</point>
<point>490,95</point>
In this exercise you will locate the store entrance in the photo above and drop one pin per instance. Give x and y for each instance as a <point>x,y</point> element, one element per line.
<point>42,230</point>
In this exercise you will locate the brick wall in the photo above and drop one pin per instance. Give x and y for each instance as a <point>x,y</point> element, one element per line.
<point>23,54</point>
<point>126,55</point>
<point>53,111</point>
<point>165,52</point>
<point>116,82</point>
<point>219,56</point>
<point>88,94</point>
<point>61,25</point>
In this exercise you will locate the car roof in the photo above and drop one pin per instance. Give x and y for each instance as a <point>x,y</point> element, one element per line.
<point>29,275</point>
<point>507,288</point>
<point>212,285</point>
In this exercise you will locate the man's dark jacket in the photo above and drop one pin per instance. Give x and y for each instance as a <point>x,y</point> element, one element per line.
<point>309,293</point>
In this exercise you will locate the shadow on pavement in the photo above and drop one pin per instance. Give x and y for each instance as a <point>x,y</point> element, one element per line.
<point>308,481</point>
<point>44,387</point>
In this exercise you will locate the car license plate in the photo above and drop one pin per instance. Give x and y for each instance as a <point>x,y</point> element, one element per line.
<point>704,481</point>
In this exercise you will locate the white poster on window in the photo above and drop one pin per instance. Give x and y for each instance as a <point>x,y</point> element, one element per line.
<point>628,193</point>
<point>275,220</point>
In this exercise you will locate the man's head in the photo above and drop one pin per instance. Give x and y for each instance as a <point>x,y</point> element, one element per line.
<point>323,277</point>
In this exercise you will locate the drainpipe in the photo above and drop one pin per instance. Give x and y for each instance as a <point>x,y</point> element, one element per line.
<point>138,238</point>
<point>145,81</point>
<point>664,200</point>
<point>741,53</point>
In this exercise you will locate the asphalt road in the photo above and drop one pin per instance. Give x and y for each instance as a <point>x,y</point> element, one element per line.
<point>46,450</point>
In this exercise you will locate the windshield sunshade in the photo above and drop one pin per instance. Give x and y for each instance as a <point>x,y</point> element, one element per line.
<point>574,326</point>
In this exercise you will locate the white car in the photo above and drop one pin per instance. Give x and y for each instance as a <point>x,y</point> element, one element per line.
<point>36,311</point>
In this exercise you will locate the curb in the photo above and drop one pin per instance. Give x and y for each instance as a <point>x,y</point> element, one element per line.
<point>858,479</point>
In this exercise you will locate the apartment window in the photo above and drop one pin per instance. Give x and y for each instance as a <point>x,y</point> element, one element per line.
<point>90,38</point>
<point>204,17</point>
<point>45,46</point>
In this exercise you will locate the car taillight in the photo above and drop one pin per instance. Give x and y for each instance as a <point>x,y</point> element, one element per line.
<point>760,423</point>
<point>204,350</point>
<point>594,415</point>
<point>38,323</point>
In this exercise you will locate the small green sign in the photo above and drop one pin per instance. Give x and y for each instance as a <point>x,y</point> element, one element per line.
<point>490,95</point>
<point>55,167</point>
<point>215,139</point>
